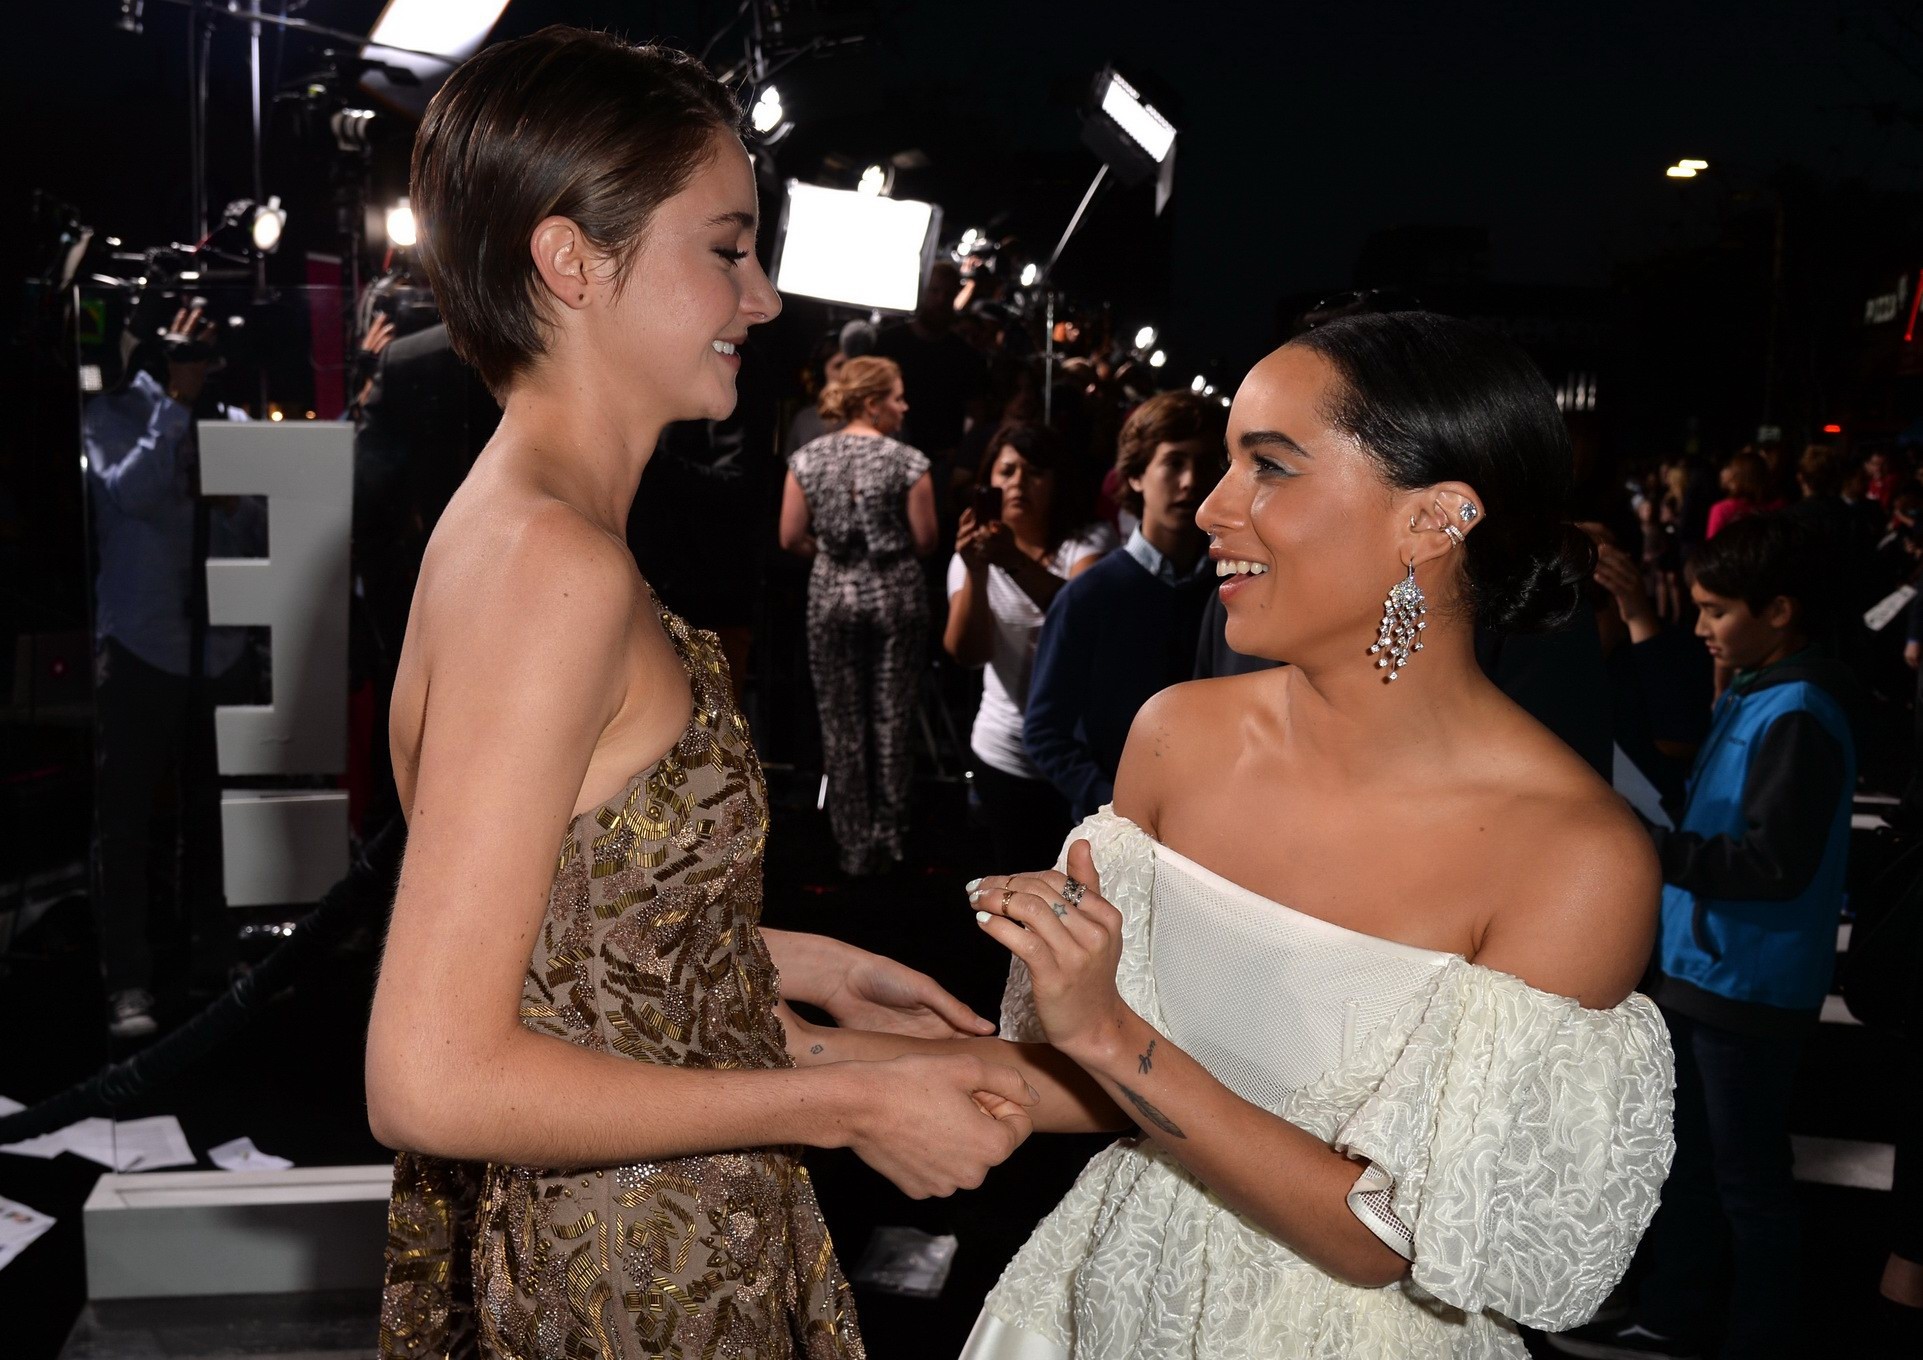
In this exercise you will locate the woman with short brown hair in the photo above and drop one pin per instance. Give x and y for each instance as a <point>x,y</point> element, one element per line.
<point>578,1039</point>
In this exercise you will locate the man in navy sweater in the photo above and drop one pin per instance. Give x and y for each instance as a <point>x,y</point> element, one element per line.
<point>1126,627</point>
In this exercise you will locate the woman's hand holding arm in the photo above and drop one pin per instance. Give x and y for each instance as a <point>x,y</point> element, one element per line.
<point>1289,1182</point>
<point>1068,1100</point>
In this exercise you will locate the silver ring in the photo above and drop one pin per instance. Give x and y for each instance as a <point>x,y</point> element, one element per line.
<point>1073,891</point>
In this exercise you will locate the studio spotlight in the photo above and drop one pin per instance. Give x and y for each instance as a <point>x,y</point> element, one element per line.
<point>877,181</point>
<point>1157,359</point>
<point>400,224</point>
<point>352,128</point>
<point>1199,384</point>
<point>1145,337</point>
<point>1031,275</point>
<point>767,114</point>
<point>263,222</point>
<point>1145,126</point>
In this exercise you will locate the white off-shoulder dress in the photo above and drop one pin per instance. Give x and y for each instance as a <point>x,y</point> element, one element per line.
<point>1520,1140</point>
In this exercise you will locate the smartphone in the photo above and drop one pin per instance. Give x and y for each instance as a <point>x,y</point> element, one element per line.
<point>988,504</point>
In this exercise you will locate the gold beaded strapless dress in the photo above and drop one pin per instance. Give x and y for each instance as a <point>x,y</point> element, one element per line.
<point>649,949</point>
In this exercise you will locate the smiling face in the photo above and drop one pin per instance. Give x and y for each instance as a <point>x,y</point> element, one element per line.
<point>1027,491</point>
<point>1305,505</point>
<point>694,287</point>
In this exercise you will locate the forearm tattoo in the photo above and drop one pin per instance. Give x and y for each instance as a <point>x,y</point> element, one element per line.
<point>1152,1115</point>
<point>1145,1060</point>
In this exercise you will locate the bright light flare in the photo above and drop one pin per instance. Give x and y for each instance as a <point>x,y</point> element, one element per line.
<point>1200,384</point>
<point>767,114</point>
<point>1031,275</point>
<point>400,224</point>
<point>1145,337</point>
<point>1680,172</point>
<point>269,220</point>
<point>1157,359</point>
<point>857,249</point>
<point>874,181</point>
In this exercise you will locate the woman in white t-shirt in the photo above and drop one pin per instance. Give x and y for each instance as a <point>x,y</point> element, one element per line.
<point>1004,573</point>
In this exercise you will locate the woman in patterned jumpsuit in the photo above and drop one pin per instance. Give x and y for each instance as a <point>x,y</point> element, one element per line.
<point>862,505</point>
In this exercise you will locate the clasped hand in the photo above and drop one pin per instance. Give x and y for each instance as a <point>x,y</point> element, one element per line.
<point>1071,948</point>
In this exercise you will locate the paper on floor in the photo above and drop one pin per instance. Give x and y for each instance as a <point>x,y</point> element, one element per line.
<point>240,1154</point>
<point>132,1145</point>
<point>19,1225</point>
<point>149,1144</point>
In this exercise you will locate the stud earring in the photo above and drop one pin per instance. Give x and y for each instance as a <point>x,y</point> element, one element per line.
<point>1400,633</point>
<point>1468,512</point>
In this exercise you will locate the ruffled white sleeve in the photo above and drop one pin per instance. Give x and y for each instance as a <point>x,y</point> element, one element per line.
<point>1528,1139</point>
<point>1125,863</point>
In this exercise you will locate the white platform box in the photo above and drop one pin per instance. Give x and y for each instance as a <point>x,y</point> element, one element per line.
<point>166,1233</point>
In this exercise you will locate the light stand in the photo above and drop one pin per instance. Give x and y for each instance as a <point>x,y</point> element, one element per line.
<point>1048,272</point>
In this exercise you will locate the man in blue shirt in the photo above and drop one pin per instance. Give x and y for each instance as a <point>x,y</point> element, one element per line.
<point>1126,628</point>
<point>151,718</point>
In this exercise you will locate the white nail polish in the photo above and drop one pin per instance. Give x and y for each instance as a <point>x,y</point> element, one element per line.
<point>972,884</point>
<point>982,916</point>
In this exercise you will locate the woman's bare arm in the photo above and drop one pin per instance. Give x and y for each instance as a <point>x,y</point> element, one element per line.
<point>921,514</point>
<point>796,520</point>
<point>527,657</point>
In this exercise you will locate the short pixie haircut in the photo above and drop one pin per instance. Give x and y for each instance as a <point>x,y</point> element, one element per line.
<point>565,122</point>
<point>1166,418</point>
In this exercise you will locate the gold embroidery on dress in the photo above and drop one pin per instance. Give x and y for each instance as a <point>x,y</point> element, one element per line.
<point>648,949</point>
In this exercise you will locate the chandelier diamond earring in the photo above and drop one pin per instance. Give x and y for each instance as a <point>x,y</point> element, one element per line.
<point>1400,634</point>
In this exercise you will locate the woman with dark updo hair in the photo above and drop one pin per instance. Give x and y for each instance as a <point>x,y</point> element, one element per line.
<point>1354,946</point>
<point>1351,954</point>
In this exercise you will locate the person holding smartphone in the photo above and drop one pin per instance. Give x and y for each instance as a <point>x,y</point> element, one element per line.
<point>1028,531</point>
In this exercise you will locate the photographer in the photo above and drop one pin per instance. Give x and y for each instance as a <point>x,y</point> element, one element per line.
<point>154,713</point>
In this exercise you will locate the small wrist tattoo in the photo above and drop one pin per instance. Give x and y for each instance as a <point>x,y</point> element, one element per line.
<point>1150,1116</point>
<point>1146,1059</point>
<point>815,1049</point>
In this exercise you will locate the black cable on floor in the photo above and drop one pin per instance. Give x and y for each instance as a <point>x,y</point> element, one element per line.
<point>361,895</point>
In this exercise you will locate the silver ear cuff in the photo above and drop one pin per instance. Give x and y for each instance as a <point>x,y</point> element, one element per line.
<point>1455,534</point>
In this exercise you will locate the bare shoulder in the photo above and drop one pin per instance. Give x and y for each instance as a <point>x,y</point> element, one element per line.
<point>531,567</point>
<point>1178,733</point>
<point>1579,892</point>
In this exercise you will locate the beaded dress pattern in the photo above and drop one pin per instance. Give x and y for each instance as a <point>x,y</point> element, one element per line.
<point>650,950</point>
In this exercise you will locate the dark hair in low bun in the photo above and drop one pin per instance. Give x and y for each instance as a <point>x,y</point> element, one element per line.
<point>1437,399</point>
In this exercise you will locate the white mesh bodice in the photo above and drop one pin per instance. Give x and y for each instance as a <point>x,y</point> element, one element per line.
<point>1267,998</point>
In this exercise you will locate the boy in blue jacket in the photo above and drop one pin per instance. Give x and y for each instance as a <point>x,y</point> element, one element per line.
<point>1752,890</point>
